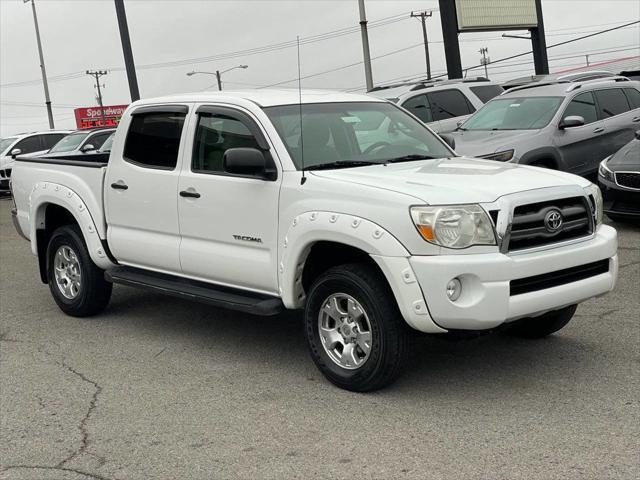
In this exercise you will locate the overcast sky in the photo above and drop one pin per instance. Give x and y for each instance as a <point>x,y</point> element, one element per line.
<point>82,34</point>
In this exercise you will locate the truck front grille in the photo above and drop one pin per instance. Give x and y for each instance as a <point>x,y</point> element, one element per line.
<point>557,278</point>
<point>544,223</point>
<point>628,179</point>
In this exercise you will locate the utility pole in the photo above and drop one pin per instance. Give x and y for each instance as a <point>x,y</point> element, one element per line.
<point>47,100</point>
<point>423,17</point>
<point>365,46</point>
<point>126,50</point>
<point>587,57</point>
<point>219,80</point>
<point>97,74</point>
<point>485,60</point>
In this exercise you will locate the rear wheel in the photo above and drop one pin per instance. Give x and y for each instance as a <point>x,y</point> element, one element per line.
<point>76,283</point>
<point>544,325</point>
<point>356,334</point>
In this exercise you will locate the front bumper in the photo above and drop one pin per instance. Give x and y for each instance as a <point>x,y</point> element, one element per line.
<point>486,300</point>
<point>620,200</point>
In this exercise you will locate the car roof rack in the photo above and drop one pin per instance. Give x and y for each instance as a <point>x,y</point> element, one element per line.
<point>616,78</point>
<point>553,79</point>
<point>426,83</point>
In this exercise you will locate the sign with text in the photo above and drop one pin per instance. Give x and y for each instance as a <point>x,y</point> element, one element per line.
<point>89,117</point>
<point>482,15</point>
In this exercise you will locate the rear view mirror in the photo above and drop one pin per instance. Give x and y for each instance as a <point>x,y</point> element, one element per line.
<point>571,121</point>
<point>249,162</point>
<point>15,152</point>
<point>87,148</point>
<point>448,139</point>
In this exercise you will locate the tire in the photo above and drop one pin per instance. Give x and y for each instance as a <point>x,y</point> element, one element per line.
<point>543,326</point>
<point>377,315</point>
<point>87,292</point>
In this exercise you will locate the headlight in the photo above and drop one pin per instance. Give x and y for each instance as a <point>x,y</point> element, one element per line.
<point>604,171</point>
<point>593,191</point>
<point>454,226</point>
<point>504,156</point>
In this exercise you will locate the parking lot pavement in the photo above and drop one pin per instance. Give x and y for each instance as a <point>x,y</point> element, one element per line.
<point>160,388</point>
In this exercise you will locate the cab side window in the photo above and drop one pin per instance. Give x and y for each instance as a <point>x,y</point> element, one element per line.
<point>216,133</point>
<point>419,106</point>
<point>612,102</point>
<point>153,139</point>
<point>50,139</point>
<point>584,106</point>
<point>29,145</point>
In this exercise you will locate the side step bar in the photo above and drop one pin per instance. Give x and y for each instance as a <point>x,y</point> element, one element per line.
<point>225,297</point>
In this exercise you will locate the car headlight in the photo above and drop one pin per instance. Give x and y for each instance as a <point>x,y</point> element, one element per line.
<point>593,191</point>
<point>454,226</point>
<point>604,171</point>
<point>503,156</point>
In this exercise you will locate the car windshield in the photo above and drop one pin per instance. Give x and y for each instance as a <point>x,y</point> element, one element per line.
<point>69,143</point>
<point>106,146</point>
<point>353,134</point>
<point>525,113</point>
<point>5,143</point>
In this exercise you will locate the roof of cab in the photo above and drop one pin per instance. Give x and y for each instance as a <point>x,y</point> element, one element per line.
<point>265,97</point>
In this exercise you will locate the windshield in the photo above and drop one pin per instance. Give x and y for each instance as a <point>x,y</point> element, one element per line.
<point>5,143</point>
<point>524,113</point>
<point>69,143</point>
<point>357,132</point>
<point>106,146</point>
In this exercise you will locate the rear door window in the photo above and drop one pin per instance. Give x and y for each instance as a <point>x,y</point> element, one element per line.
<point>153,139</point>
<point>50,139</point>
<point>612,102</point>
<point>486,92</point>
<point>449,104</point>
<point>633,96</point>
<point>29,145</point>
<point>98,139</point>
<point>584,106</point>
<point>419,106</point>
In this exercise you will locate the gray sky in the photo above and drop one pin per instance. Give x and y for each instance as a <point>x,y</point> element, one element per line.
<point>82,34</point>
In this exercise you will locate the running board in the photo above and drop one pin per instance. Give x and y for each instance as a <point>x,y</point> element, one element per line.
<point>225,297</point>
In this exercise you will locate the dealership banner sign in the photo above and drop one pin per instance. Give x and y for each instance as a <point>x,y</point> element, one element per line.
<point>89,117</point>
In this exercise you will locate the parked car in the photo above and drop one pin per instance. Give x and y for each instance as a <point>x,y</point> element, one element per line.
<point>557,78</point>
<point>619,177</point>
<point>81,141</point>
<point>566,126</point>
<point>441,104</point>
<point>255,202</point>
<point>100,155</point>
<point>24,143</point>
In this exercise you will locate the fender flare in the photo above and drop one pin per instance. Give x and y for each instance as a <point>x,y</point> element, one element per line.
<point>45,193</point>
<point>543,153</point>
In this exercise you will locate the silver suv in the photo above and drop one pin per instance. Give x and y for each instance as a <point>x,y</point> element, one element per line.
<point>441,104</point>
<point>568,126</point>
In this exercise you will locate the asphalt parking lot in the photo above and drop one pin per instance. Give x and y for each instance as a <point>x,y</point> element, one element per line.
<point>161,388</point>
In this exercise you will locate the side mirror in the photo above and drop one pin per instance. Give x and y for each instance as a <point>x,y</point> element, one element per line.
<point>448,139</point>
<point>459,123</point>
<point>87,148</point>
<point>637,134</point>
<point>571,121</point>
<point>15,152</point>
<point>249,162</point>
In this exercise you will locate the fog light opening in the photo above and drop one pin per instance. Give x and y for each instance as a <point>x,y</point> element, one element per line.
<point>454,289</point>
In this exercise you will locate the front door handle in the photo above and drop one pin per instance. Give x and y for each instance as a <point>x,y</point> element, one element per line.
<point>598,130</point>
<point>119,185</point>
<point>635,119</point>
<point>189,194</point>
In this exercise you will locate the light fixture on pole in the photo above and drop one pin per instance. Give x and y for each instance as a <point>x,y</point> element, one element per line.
<point>217,73</point>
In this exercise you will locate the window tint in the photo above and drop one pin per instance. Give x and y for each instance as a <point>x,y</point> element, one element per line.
<point>153,139</point>
<point>216,134</point>
<point>487,92</point>
<point>50,139</point>
<point>633,96</point>
<point>29,145</point>
<point>449,104</point>
<point>420,108</point>
<point>583,105</point>
<point>612,102</point>
<point>98,139</point>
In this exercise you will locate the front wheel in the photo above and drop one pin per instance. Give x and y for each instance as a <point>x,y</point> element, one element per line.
<point>356,334</point>
<point>76,283</point>
<point>544,325</point>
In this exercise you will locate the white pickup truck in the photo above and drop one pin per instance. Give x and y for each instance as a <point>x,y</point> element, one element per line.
<point>343,205</point>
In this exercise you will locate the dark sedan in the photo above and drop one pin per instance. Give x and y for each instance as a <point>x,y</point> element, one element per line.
<point>619,178</point>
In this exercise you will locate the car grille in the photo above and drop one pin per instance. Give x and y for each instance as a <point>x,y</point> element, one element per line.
<point>557,278</point>
<point>530,226</point>
<point>628,179</point>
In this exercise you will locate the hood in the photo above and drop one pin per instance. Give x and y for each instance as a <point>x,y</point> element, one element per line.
<point>483,142</point>
<point>627,158</point>
<point>454,181</point>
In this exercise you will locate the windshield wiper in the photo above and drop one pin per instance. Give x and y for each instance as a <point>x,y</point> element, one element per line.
<point>341,164</point>
<point>409,158</point>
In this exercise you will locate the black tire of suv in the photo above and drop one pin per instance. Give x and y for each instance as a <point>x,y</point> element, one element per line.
<point>543,326</point>
<point>389,330</point>
<point>95,291</point>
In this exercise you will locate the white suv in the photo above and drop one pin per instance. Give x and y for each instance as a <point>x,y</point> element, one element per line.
<point>441,104</point>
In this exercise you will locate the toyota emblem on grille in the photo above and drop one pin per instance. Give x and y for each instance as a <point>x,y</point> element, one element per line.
<point>553,220</point>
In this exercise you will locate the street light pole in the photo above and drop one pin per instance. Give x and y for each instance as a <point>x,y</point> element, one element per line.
<point>485,60</point>
<point>368,75</point>
<point>217,73</point>
<point>47,100</point>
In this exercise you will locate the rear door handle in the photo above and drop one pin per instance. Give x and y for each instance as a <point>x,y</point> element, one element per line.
<point>635,119</point>
<point>119,185</point>
<point>598,130</point>
<point>189,194</point>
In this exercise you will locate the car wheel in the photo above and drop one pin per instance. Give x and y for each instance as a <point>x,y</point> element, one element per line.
<point>544,325</point>
<point>76,283</point>
<point>356,334</point>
